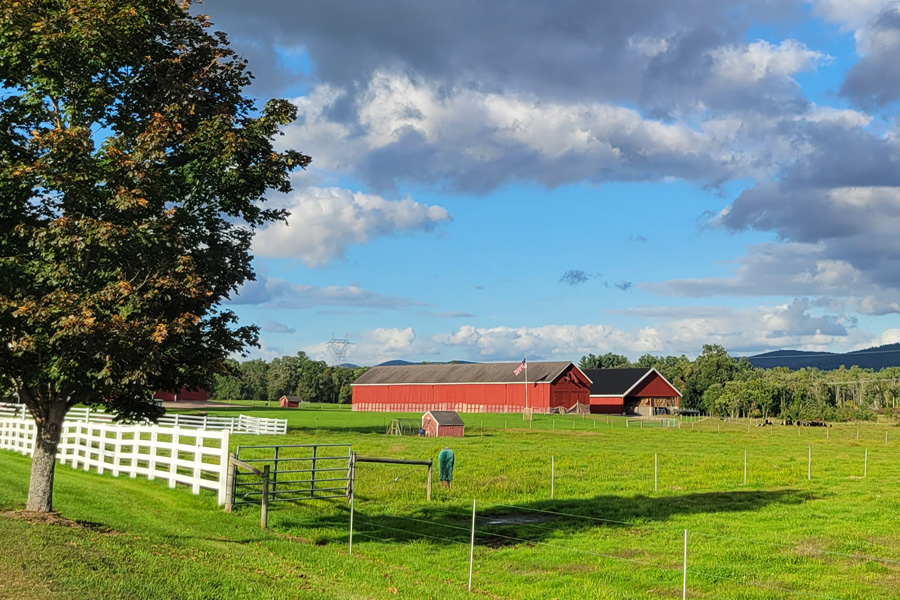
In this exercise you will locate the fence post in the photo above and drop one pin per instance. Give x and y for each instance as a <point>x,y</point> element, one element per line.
<point>225,467</point>
<point>351,521</point>
<point>229,485</point>
<point>684,570</point>
<point>264,511</point>
<point>552,475</point>
<point>472,546</point>
<point>655,472</point>
<point>430,475</point>
<point>173,459</point>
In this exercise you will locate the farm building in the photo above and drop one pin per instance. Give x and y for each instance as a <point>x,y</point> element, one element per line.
<point>631,391</point>
<point>490,387</point>
<point>289,401</point>
<point>443,423</point>
<point>183,395</point>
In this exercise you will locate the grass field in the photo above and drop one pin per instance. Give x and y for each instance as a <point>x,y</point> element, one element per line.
<point>606,533</point>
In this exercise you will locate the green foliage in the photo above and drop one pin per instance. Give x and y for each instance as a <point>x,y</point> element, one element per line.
<point>605,361</point>
<point>721,385</point>
<point>132,174</point>
<point>311,380</point>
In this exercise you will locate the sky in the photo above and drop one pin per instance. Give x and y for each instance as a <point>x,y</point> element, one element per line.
<point>492,180</point>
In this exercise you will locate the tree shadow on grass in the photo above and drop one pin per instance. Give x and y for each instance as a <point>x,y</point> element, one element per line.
<point>534,522</point>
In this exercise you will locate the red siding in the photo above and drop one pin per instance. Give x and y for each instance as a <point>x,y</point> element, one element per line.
<point>607,406</point>
<point>654,386</point>
<point>185,395</point>
<point>569,388</point>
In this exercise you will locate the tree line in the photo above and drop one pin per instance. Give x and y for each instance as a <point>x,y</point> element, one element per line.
<point>311,380</point>
<point>722,385</point>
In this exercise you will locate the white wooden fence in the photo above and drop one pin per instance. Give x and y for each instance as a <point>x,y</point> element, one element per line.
<point>242,424</point>
<point>191,457</point>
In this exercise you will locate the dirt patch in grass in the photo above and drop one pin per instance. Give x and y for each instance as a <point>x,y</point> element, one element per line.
<point>53,518</point>
<point>17,584</point>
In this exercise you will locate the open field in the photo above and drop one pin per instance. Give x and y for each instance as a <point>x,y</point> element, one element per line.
<point>605,534</point>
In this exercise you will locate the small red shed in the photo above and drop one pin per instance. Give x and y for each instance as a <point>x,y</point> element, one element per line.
<point>289,401</point>
<point>443,423</point>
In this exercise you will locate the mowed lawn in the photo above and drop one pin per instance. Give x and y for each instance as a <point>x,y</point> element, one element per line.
<point>611,529</point>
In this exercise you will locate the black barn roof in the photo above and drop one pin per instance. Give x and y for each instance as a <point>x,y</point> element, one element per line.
<point>446,417</point>
<point>614,382</point>
<point>537,372</point>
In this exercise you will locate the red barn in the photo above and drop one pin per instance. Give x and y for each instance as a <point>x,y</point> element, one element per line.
<point>184,395</point>
<point>443,423</point>
<point>490,387</point>
<point>631,391</point>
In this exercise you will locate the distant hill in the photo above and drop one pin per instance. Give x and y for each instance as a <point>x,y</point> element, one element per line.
<point>401,363</point>
<point>869,358</point>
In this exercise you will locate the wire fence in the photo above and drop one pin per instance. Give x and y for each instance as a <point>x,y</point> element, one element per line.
<point>688,564</point>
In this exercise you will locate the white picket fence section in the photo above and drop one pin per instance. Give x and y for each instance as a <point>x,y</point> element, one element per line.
<point>193,457</point>
<point>241,424</point>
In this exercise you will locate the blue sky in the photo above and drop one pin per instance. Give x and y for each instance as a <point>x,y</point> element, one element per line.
<point>491,180</point>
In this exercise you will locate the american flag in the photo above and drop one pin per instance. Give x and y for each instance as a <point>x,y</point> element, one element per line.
<point>522,366</point>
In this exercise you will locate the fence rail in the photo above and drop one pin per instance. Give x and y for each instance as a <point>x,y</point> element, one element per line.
<point>241,424</point>
<point>180,456</point>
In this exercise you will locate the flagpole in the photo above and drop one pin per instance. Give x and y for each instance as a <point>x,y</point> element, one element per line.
<point>530,417</point>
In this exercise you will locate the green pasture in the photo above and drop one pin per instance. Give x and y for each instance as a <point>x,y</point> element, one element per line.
<point>614,527</point>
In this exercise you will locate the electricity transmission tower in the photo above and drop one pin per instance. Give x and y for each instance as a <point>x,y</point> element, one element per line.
<point>339,348</point>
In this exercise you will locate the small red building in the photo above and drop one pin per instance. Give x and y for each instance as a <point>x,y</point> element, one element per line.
<point>489,387</point>
<point>184,395</point>
<point>631,391</point>
<point>289,401</point>
<point>443,423</point>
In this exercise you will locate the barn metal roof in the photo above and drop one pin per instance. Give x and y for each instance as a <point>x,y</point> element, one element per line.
<point>614,382</point>
<point>537,372</point>
<point>619,382</point>
<point>447,417</point>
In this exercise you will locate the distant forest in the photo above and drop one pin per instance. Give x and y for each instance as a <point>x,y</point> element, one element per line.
<point>311,380</point>
<point>715,383</point>
<point>721,385</point>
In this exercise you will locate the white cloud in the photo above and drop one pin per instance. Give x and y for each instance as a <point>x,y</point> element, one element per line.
<point>324,222</point>
<point>760,59</point>
<point>374,347</point>
<point>678,331</point>
<point>409,128</point>
<point>271,291</point>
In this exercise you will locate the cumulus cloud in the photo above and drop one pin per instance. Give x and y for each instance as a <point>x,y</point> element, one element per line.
<point>408,129</point>
<point>324,222</point>
<point>275,327</point>
<point>374,346</point>
<point>569,47</point>
<point>274,292</point>
<point>875,79</point>
<point>679,330</point>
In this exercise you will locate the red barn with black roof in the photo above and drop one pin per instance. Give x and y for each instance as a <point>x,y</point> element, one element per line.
<point>631,391</point>
<point>484,387</point>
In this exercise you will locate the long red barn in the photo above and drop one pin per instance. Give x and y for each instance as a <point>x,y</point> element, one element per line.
<point>485,387</point>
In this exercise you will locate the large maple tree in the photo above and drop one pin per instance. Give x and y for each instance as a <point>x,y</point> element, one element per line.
<point>133,172</point>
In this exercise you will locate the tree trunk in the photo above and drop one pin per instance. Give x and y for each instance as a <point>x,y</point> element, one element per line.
<point>43,462</point>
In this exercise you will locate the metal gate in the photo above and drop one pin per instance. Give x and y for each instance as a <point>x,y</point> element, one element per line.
<point>300,472</point>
